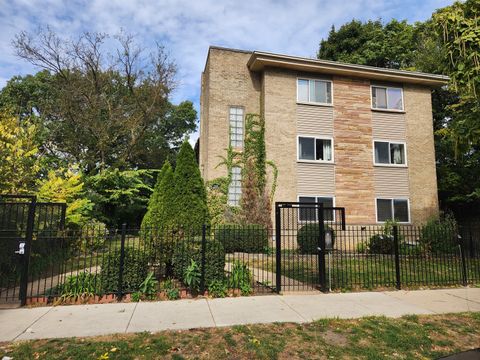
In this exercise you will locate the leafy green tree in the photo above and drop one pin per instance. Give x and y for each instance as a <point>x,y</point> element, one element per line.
<point>101,110</point>
<point>67,187</point>
<point>190,201</point>
<point>119,196</point>
<point>160,210</point>
<point>390,45</point>
<point>20,158</point>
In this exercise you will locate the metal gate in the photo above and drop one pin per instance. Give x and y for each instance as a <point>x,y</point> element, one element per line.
<point>25,227</point>
<point>305,236</point>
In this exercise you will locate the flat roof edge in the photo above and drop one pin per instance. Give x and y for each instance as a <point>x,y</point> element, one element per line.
<point>260,59</point>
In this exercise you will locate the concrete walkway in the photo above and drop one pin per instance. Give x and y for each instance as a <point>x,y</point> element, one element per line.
<point>91,320</point>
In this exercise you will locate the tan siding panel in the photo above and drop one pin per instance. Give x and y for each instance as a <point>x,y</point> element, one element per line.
<point>314,120</point>
<point>391,182</point>
<point>388,126</point>
<point>315,179</point>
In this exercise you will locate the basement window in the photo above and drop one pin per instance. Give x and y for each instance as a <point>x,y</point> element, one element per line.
<point>393,209</point>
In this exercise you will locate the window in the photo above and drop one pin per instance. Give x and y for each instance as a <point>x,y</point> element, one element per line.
<point>235,187</point>
<point>236,127</point>
<point>388,98</point>
<point>393,209</point>
<point>389,153</point>
<point>311,214</point>
<point>314,91</point>
<point>315,149</point>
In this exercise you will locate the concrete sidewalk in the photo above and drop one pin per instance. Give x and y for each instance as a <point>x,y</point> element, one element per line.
<point>90,320</point>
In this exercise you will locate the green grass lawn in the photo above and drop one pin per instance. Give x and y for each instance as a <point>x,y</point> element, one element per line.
<point>377,271</point>
<point>410,337</point>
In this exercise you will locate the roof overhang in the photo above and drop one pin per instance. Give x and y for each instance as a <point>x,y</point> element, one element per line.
<point>259,60</point>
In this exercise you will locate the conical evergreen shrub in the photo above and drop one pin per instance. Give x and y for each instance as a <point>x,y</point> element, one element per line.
<point>190,201</point>
<point>155,217</point>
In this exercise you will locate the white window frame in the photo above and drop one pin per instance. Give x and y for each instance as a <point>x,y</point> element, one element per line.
<point>315,149</point>
<point>386,97</point>
<point>404,143</point>
<point>393,209</point>
<point>314,102</point>
<point>230,126</point>
<point>316,197</point>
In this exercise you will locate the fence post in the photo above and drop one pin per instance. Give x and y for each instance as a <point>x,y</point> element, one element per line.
<point>322,278</point>
<point>26,256</point>
<point>204,246</point>
<point>397,257</point>
<point>121,265</point>
<point>278,250</point>
<point>462,257</point>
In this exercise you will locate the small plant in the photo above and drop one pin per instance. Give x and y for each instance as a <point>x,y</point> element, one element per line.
<point>148,288</point>
<point>246,289</point>
<point>173,294</point>
<point>192,276</point>
<point>171,291</point>
<point>136,296</point>
<point>240,276</point>
<point>217,288</point>
<point>79,287</point>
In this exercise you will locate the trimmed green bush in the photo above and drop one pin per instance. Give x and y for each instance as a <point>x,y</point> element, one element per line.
<point>307,238</point>
<point>135,270</point>
<point>187,250</point>
<point>381,244</point>
<point>251,238</point>
<point>160,213</point>
<point>190,202</point>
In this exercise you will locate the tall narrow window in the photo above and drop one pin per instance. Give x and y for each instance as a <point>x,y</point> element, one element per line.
<point>236,127</point>
<point>235,187</point>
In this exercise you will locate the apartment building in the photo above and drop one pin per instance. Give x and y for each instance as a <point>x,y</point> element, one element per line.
<point>347,135</point>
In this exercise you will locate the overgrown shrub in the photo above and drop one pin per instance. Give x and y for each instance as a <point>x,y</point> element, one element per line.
<point>242,238</point>
<point>439,235</point>
<point>135,270</point>
<point>381,244</point>
<point>187,250</point>
<point>307,238</point>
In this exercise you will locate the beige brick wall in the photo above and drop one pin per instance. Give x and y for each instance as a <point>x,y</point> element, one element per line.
<point>229,83</point>
<point>420,153</point>
<point>280,111</point>
<point>354,177</point>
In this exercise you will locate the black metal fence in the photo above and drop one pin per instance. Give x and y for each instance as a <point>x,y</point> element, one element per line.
<point>249,259</point>
<point>23,219</point>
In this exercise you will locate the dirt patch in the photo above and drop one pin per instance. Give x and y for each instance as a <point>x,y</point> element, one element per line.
<point>334,338</point>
